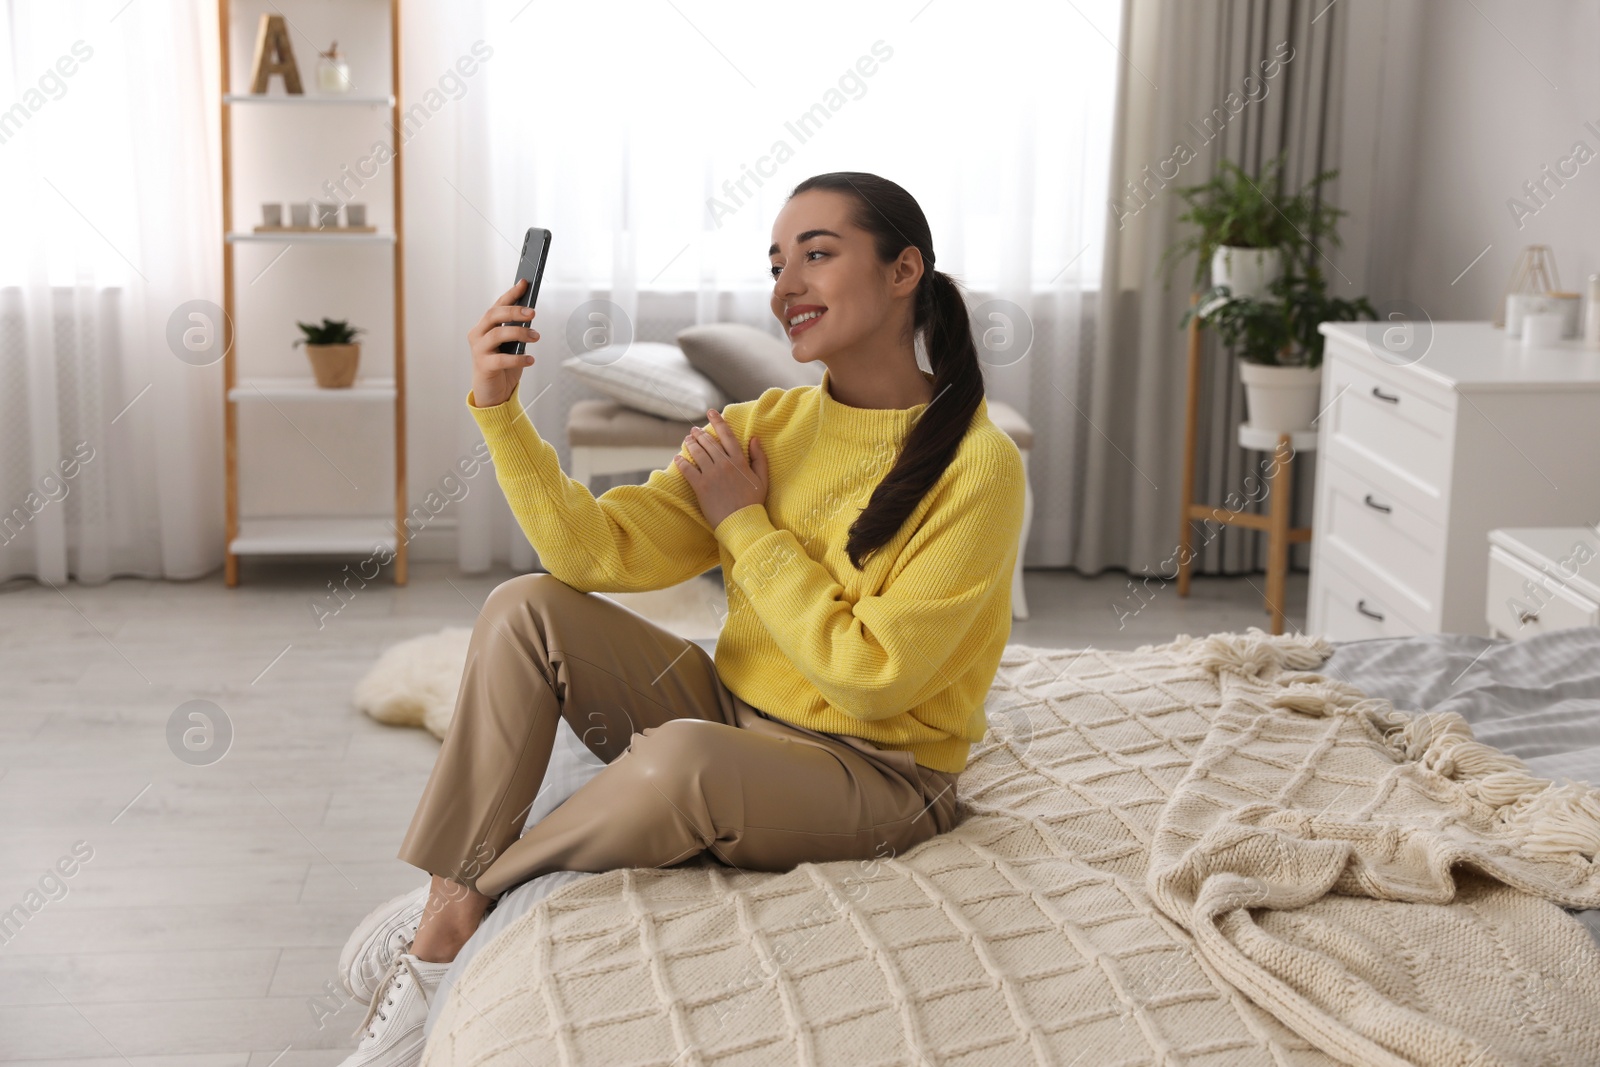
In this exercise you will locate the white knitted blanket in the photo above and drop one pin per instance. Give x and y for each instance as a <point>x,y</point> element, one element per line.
<point>1192,853</point>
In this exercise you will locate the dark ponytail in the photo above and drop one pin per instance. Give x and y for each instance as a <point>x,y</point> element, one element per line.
<point>895,221</point>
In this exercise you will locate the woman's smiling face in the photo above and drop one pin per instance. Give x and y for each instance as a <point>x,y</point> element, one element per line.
<point>822,263</point>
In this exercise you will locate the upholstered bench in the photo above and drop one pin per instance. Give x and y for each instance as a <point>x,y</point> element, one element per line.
<point>608,438</point>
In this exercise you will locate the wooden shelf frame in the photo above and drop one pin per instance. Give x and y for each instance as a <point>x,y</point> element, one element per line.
<point>310,534</point>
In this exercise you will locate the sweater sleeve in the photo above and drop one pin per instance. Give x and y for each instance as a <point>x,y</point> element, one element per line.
<point>892,650</point>
<point>632,538</point>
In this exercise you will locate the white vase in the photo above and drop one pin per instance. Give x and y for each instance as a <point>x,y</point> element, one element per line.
<point>1246,271</point>
<point>1280,399</point>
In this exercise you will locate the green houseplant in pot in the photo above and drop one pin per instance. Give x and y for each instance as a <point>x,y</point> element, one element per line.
<point>1279,345</point>
<point>1310,304</point>
<point>1246,232</point>
<point>333,350</point>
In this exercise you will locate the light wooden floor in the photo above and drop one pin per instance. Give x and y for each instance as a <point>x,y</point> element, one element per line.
<point>205,927</point>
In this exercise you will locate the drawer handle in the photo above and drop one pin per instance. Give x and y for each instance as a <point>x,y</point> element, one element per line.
<point>1361,606</point>
<point>1385,397</point>
<point>1525,617</point>
<point>1375,506</point>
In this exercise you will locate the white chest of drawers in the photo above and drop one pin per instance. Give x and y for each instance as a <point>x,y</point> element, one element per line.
<point>1543,579</point>
<point>1418,461</point>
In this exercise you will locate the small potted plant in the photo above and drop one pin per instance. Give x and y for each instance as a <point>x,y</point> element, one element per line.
<point>1310,304</point>
<point>1247,233</point>
<point>1279,345</point>
<point>333,351</point>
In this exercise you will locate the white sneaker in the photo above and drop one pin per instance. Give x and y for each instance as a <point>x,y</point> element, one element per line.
<point>391,1034</point>
<point>385,933</point>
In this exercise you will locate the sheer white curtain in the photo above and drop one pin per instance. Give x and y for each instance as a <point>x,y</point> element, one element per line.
<point>110,445</point>
<point>658,142</point>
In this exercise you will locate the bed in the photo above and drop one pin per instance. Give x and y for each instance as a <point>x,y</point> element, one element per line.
<point>1232,849</point>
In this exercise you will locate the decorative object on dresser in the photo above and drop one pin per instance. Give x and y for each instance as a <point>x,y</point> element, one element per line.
<point>1421,453</point>
<point>1535,287</point>
<point>1542,328</point>
<point>333,350</point>
<point>1543,579</point>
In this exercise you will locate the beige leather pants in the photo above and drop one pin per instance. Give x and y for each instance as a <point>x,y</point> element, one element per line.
<point>690,766</point>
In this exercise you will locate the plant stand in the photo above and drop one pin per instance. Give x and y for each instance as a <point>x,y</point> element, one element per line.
<point>1280,535</point>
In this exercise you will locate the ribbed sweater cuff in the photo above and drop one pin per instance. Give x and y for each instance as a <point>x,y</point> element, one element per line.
<point>744,528</point>
<point>502,414</point>
<point>507,424</point>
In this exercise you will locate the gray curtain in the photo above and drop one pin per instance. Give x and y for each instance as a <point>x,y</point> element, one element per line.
<point>1192,91</point>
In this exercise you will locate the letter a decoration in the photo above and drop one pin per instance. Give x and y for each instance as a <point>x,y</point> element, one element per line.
<point>274,56</point>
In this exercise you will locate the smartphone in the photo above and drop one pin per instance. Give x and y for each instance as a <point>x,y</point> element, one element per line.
<point>530,268</point>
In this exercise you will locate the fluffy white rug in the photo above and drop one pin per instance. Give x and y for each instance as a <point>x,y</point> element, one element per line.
<point>415,682</point>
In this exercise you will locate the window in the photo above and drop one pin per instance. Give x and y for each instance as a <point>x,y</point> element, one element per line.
<point>683,135</point>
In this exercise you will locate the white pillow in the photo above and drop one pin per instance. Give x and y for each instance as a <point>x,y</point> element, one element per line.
<point>651,377</point>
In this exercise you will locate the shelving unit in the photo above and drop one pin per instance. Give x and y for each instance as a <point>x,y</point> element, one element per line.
<point>311,534</point>
<point>304,389</point>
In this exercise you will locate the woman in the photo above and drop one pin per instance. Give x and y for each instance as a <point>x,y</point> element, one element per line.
<point>851,670</point>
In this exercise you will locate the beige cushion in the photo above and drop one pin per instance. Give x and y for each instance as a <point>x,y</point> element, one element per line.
<point>743,361</point>
<point>649,376</point>
<point>607,422</point>
<point>1011,421</point>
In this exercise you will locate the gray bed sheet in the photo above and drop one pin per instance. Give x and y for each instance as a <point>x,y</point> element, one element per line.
<point>1538,699</point>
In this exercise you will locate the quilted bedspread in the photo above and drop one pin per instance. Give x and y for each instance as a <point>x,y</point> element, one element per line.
<point>1196,853</point>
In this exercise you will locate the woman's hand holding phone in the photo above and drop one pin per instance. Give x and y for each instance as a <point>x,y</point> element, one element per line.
<point>494,373</point>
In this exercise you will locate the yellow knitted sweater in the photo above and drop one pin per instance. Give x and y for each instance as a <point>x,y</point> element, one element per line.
<point>901,653</point>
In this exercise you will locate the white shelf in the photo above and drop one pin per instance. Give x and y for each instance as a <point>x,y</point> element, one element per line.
<point>307,389</point>
<point>304,98</point>
<point>1267,440</point>
<point>312,535</point>
<point>332,236</point>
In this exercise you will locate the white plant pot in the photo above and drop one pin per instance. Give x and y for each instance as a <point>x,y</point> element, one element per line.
<point>1246,271</point>
<point>1280,399</point>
